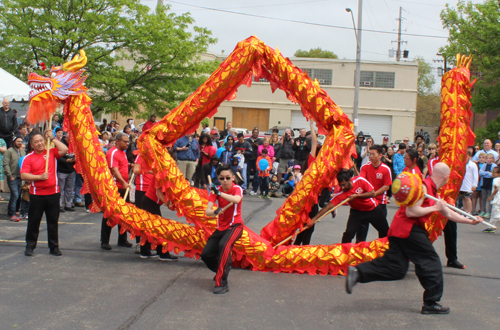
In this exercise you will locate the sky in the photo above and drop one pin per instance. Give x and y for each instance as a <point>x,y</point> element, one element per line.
<point>421,25</point>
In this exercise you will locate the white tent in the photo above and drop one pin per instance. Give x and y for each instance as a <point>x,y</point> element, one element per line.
<point>12,88</point>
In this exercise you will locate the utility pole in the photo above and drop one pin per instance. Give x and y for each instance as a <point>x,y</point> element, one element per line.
<point>398,52</point>
<point>160,2</point>
<point>357,74</point>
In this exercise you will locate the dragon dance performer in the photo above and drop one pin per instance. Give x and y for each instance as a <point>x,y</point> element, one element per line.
<point>364,208</point>
<point>217,253</point>
<point>44,191</point>
<point>408,240</point>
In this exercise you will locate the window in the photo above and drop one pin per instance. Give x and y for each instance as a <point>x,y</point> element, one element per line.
<point>324,76</point>
<point>377,79</point>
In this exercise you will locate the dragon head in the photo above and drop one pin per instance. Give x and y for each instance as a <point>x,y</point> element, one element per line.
<point>48,92</point>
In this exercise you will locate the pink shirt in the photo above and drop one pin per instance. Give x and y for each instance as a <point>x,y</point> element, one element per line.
<point>270,150</point>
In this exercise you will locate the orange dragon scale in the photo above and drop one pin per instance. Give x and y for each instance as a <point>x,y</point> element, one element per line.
<point>251,57</point>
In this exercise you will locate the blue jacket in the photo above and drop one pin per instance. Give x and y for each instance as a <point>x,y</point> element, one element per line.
<point>193,153</point>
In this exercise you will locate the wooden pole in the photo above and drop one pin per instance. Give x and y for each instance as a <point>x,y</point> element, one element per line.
<point>459,211</point>
<point>312,224</point>
<point>128,189</point>
<point>48,148</point>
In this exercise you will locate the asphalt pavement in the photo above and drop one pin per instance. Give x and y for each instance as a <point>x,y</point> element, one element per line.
<point>89,288</point>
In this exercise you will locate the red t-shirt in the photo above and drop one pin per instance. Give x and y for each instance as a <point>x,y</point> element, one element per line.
<point>34,163</point>
<point>359,186</point>
<point>151,193</point>
<point>211,151</point>
<point>378,177</point>
<point>232,215</point>
<point>401,224</point>
<point>118,159</point>
<point>415,171</point>
<point>142,181</point>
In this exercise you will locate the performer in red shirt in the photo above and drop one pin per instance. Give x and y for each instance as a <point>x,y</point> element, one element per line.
<point>379,176</point>
<point>413,163</point>
<point>408,240</point>
<point>118,164</point>
<point>217,253</point>
<point>364,208</point>
<point>44,190</point>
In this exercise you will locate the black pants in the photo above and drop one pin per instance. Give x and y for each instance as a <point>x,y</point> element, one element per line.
<point>304,238</point>
<point>376,217</point>
<point>252,169</point>
<point>394,264</point>
<point>39,204</point>
<point>8,140</point>
<point>363,228</point>
<point>217,253</point>
<point>88,200</point>
<point>106,230</point>
<point>450,240</point>
<point>152,207</point>
<point>138,202</point>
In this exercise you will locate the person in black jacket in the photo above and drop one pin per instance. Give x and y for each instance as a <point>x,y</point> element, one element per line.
<point>286,153</point>
<point>66,179</point>
<point>255,142</point>
<point>243,147</point>
<point>302,148</point>
<point>8,122</point>
<point>210,169</point>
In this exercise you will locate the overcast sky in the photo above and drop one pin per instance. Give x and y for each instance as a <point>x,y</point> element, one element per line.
<point>420,18</point>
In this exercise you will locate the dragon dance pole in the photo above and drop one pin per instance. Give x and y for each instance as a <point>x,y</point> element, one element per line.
<point>128,189</point>
<point>48,148</point>
<point>312,224</point>
<point>459,211</point>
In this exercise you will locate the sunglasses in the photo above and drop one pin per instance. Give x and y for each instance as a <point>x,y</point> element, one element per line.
<point>406,140</point>
<point>227,178</point>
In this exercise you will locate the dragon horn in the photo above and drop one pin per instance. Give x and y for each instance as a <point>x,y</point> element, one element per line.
<point>470,61</point>
<point>78,62</point>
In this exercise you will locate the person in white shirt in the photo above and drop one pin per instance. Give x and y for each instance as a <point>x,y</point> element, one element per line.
<point>469,184</point>
<point>487,149</point>
<point>494,199</point>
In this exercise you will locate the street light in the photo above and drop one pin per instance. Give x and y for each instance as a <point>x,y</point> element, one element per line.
<point>357,75</point>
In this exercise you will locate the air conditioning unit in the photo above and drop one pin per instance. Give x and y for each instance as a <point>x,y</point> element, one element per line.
<point>321,81</point>
<point>367,83</point>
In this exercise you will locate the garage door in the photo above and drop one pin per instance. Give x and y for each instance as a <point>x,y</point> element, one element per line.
<point>376,126</point>
<point>299,121</point>
<point>249,118</point>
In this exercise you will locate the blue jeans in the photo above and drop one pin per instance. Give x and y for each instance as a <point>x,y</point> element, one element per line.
<point>15,190</point>
<point>244,175</point>
<point>78,187</point>
<point>25,207</point>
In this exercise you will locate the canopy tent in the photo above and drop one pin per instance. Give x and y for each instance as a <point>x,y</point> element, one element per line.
<point>12,88</point>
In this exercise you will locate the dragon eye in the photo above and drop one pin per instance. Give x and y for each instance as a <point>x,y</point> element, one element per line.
<point>53,75</point>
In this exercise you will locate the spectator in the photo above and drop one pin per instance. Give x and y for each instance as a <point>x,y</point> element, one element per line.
<point>207,151</point>
<point>205,129</point>
<point>266,145</point>
<point>210,170</point>
<point>359,143</point>
<point>286,153</point>
<point>116,129</point>
<point>235,165</point>
<point>469,183</point>
<point>12,171</point>
<point>104,140</point>
<point>406,141</point>
<point>102,127</point>
<point>398,162</point>
<point>227,154</point>
<point>130,122</point>
<point>150,123</point>
<point>385,141</point>
<point>110,126</point>
<point>255,142</point>
<point>275,143</point>
<point>8,122</point>
<point>274,187</point>
<point>3,149</point>
<point>297,175</point>
<point>424,159</point>
<point>44,191</point>
<point>486,172</point>
<point>66,179</point>
<point>243,148</point>
<point>58,133</point>
<point>118,164</point>
<point>132,145</point>
<point>188,156</point>
<point>365,151</point>
<point>288,184</point>
<point>215,139</point>
<point>127,129</point>
<point>230,142</point>
<point>497,148</point>
<point>23,134</point>
<point>264,173</point>
<point>226,132</point>
<point>487,149</point>
<point>25,199</point>
<point>302,148</point>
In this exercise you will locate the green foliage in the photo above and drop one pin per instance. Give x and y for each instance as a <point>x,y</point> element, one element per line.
<point>428,109</point>
<point>426,79</point>
<point>475,30</point>
<point>205,122</point>
<point>134,57</point>
<point>316,53</point>
<point>489,132</point>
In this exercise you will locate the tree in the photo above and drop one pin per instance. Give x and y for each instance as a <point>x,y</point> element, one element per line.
<point>316,53</point>
<point>475,30</point>
<point>428,100</point>
<point>135,58</point>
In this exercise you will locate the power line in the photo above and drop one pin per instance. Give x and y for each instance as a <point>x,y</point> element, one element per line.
<point>306,23</point>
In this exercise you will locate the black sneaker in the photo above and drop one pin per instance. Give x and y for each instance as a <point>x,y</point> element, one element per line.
<point>69,209</point>
<point>455,264</point>
<point>125,244</point>
<point>351,278</point>
<point>105,246</point>
<point>56,252</point>
<point>221,289</point>
<point>435,309</point>
<point>150,255</point>
<point>28,252</point>
<point>168,257</point>
<point>62,210</point>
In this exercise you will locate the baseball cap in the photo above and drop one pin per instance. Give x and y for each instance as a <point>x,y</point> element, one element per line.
<point>214,132</point>
<point>386,138</point>
<point>297,167</point>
